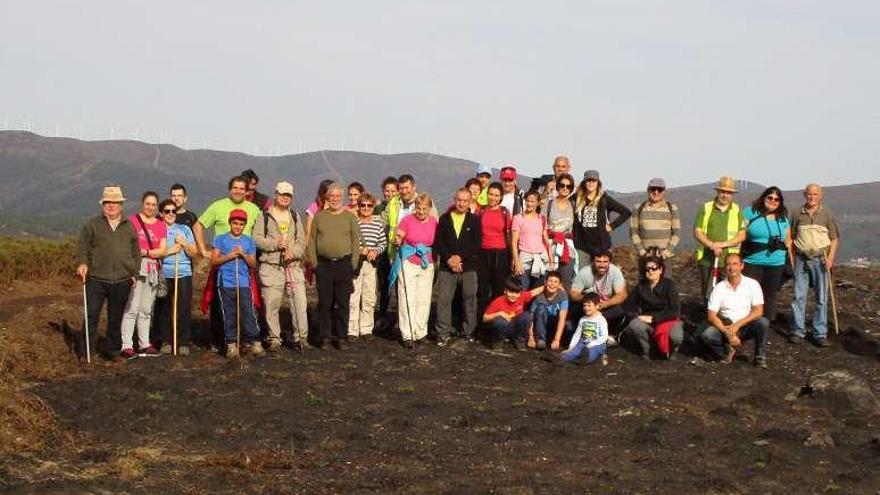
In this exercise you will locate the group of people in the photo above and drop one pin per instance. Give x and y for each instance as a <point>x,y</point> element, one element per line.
<point>498,263</point>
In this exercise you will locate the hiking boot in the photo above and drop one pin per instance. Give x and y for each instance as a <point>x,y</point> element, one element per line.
<point>519,345</point>
<point>149,351</point>
<point>166,349</point>
<point>823,342</point>
<point>368,337</point>
<point>300,345</point>
<point>340,344</point>
<point>256,349</point>
<point>231,351</point>
<point>795,339</point>
<point>274,346</point>
<point>761,362</point>
<point>183,350</point>
<point>541,345</point>
<point>128,354</point>
<point>408,344</point>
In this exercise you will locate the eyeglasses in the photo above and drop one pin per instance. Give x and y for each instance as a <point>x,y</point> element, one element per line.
<point>656,189</point>
<point>167,211</point>
<point>365,205</point>
<point>772,199</point>
<point>650,268</point>
<point>563,185</point>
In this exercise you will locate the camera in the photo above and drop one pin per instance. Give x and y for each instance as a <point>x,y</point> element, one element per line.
<point>775,243</point>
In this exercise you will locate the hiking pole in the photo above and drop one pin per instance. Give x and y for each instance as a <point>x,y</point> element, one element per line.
<point>174,303</point>
<point>238,315</point>
<point>86,319</point>
<point>831,291</point>
<point>412,335</point>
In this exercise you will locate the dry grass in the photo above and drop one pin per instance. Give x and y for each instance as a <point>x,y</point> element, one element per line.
<point>35,259</point>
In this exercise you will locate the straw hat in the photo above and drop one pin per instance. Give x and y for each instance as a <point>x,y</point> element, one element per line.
<point>112,194</point>
<point>727,184</point>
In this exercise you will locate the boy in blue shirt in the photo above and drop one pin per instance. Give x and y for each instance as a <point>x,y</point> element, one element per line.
<point>235,255</point>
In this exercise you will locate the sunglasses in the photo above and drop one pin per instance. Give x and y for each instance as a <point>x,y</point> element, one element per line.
<point>563,185</point>
<point>772,199</point>
<point>656,189</point>
<point>365,205</point>
<point>651,268</point>
<point>170,211</point>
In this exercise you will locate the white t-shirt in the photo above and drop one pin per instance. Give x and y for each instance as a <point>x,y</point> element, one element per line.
<point>507,201</point>
<point>736,304</point>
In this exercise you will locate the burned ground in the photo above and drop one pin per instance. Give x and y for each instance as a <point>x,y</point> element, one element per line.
<point>464,419</point>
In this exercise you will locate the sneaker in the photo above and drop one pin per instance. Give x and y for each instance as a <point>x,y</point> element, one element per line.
<point>256,349</point>
<point>519,345</point>
<point>128,354</point>
<point>300,345</point>
<point>183,350</point>
<point>274,346</point>
<point>611,342</point>
<point>149,351</point>
<point>761,362</point>
<point>823,342</point>
<point>795,339</point>
<point>443,341</point>
<point>541,345</point>
<point>231,351</point>
<point>166,349</point>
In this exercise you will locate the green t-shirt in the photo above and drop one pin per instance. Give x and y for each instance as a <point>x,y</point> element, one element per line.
<point>457,221</point>
<point>216,216</point>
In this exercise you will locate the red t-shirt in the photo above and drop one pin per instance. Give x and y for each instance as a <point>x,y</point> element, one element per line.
<point>494,224</point>
<point>501,303</point>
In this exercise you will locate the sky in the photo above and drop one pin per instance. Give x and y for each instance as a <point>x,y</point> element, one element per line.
<point>777,92</point>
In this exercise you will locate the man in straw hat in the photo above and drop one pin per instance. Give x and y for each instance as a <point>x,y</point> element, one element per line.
<point>108,260</point>
<point>719,231</point>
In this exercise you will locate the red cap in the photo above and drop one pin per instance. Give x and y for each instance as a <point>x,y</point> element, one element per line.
<point>238,214</point>
<point>508,173</point>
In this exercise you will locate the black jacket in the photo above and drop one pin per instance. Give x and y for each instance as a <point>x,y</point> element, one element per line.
<point>596,239</point>
<point>467,245</point>
<point>662,303</point>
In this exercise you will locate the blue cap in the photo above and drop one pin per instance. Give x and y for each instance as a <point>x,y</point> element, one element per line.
<point>484,169</point>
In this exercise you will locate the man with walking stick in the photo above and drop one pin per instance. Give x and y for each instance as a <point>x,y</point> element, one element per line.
<point>813,251</point>
<point>281,239</point>
<point>108,260</point>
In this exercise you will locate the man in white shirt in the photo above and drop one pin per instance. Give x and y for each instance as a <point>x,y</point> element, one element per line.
<point>736,309</point>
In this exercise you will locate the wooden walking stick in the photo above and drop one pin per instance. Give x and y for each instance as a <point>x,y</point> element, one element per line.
<point>237,315</point>
<point>86,318</point>
<point>831,291</point>
<point>174,303</point>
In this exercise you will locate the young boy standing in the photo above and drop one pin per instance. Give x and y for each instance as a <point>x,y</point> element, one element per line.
<point>591,334</point>
<point>506,317</point>
<point>235,255</point>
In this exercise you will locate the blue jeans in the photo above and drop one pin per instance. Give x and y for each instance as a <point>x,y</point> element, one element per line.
<point>806,271</point>
<point>248,321</point>
<point>516,329</point>
<point>593,353</point>
<point>543,320</point>
<point>757,330</point>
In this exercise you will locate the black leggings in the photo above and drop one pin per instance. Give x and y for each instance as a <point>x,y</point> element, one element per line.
<point>770,278</point>
<point>334,281</point>
<point>493,269</point>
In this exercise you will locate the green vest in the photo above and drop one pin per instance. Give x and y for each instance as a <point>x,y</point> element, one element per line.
<point>733,226</point>
<point>393,209</point>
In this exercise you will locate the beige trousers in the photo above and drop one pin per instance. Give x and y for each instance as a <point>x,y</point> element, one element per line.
<point>362,304</point>
<point>414,288</point>
<point>273,289</point>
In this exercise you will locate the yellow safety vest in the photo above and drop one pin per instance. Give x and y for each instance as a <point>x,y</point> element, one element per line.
<point>733,226</point>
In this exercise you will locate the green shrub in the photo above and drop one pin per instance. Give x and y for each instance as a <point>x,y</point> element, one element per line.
<point>35,259</point>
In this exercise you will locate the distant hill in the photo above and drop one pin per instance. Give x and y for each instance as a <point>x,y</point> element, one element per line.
<point>51,184</point>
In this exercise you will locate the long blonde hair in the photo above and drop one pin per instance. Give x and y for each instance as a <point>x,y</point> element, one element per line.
<point>583,195</point>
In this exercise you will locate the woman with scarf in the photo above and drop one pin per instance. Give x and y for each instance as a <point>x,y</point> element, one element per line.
<point>560,222</point>
<point>592,224</point>
<point>414,264</point>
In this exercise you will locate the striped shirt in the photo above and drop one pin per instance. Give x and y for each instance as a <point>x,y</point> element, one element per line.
<point>655,226</point>
<point>373,234</point>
